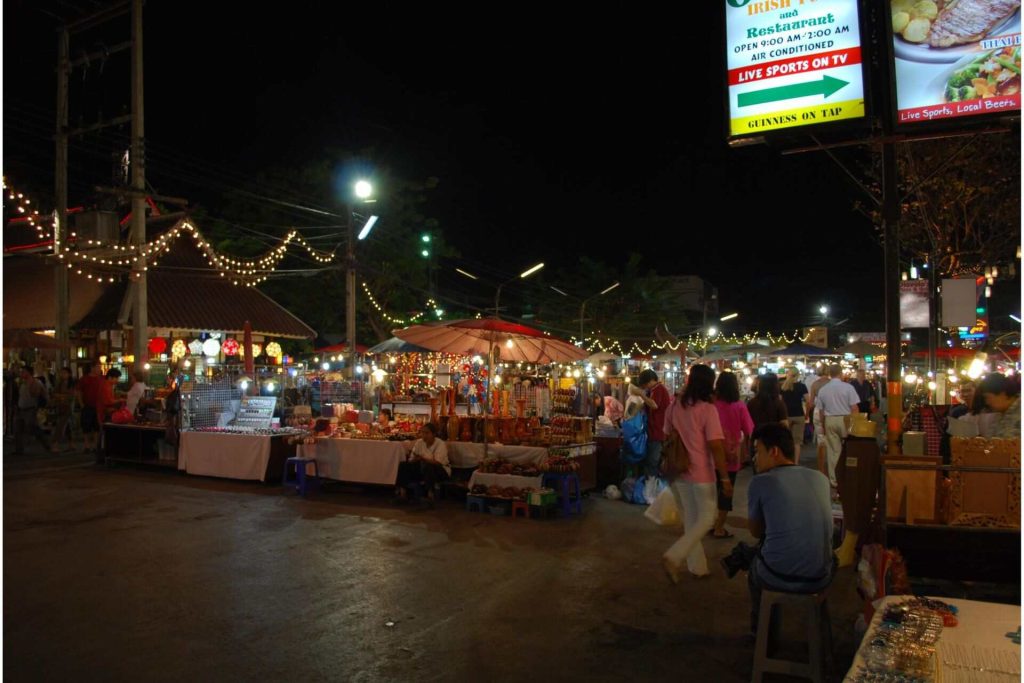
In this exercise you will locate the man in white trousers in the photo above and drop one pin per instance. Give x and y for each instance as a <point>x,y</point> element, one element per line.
<point>837,401</point>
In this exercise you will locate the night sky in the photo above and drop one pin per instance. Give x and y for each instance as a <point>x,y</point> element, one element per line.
<point>553,133</point>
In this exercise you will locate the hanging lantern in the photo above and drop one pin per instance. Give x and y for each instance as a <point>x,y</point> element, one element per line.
<point>157,345</point>
<point>256,350</point>
<point>274,350</point>
<point>178,349</point>
<point>230,347</point>
<point>211,347</point>
<point>195,347</point>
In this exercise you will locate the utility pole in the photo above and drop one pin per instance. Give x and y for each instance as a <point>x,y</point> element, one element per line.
<point>350,291</point>
<point>933,312</point>
<point>140,317</point>
<point>60,226</point>
<point>893,361</point>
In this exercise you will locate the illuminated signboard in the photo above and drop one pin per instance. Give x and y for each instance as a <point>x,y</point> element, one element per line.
<point>792,63</point>
<point>955,59</point>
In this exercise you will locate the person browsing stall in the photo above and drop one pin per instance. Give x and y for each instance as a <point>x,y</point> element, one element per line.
<point>656,399</point>
<point>137,391</point>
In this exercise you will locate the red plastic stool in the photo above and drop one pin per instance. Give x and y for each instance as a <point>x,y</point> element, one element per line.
<point>520,506</point>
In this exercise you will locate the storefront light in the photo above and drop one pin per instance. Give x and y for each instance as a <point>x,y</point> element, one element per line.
<point>326,366</point>
<point>932,386</point>
<point>910,379</point>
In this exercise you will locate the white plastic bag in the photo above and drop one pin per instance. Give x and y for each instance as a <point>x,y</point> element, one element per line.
<point>663,510</point>
<point>653,486</point>
<point>612,492</point>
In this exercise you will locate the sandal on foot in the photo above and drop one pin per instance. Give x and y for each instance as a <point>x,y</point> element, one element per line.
<point>671,570</point>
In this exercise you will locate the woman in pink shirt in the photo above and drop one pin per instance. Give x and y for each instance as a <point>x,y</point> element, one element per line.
<point>695,419</point>
<point>737,426</point>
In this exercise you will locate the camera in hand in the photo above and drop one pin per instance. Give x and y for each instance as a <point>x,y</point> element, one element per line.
<point>739,558</point>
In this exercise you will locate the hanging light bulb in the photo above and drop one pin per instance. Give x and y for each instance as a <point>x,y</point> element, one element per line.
<point>913,272</point>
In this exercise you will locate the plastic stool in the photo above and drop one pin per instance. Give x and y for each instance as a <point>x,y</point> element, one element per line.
<point>562,480</point>
<point>819,636</point>
<point>477,502</point>
<point>520,506</point>
<point>302,479</point>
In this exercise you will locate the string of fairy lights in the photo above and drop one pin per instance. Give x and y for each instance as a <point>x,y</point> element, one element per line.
<point>105,263</point>
<point>23,205</point>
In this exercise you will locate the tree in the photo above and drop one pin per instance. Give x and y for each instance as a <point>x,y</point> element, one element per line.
<point>961,201</point>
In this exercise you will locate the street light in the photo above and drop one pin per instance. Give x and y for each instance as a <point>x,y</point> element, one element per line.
<point>363,191</point>
<point>728,317</point>
<point>823,310</point>
<point>525,274</point>
<point>584,302</point>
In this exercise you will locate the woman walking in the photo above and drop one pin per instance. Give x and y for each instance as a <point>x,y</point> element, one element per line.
<point>695,420</point>
<point>737,428</point>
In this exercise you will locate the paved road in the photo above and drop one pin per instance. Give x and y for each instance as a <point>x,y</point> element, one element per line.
<point>129,574</point>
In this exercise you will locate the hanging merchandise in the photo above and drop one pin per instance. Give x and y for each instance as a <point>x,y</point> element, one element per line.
<point>211,347</point>
<point>178,349</point>
<point>195,347</point>
<point>230,347</point>
<point>157,345</point>
<point>273,350</point>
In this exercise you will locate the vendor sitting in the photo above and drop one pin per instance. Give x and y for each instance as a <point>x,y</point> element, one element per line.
<point>428,463</point>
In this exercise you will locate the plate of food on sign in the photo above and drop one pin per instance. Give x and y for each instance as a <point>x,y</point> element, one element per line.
<point>945,31</point>
<point>978,76</point>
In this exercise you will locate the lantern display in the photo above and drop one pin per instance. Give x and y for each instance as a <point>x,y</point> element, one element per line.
<point>178,349</point>
<point>211,347</point>
<point>195,347</point>
<point>256,350</point>
<point>274,350</point>
<point>230,347</point>
<point>157,345</point>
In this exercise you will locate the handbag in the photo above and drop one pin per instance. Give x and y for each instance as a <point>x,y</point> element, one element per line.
<point>675,459</point>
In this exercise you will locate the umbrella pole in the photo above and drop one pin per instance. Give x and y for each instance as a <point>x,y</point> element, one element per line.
<point>490,388</point>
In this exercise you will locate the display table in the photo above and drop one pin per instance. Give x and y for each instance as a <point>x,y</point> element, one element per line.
<point>469,454</point>
<point>504,480</point>
<point>133,443</point>
<point>983,625</point>
<point>358,460</point>
<point>234,456</point>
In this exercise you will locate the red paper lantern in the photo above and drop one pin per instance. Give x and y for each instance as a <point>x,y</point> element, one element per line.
<point>157,345</point>
<point>230,347</point>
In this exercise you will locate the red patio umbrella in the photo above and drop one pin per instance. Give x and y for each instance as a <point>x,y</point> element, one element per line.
<point>479,336</point>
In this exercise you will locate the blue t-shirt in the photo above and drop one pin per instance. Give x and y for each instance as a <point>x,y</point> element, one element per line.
<point>796,508</point>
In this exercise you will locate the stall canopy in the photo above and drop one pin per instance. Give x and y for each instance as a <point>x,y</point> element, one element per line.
<point>396,345</point>
<point>802,350</point>
<point>479,336</point>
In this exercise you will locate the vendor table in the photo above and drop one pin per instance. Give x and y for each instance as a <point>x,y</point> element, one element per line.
<point>133,443</point>
<point>234,456</point>
<point>504,480</point>
<point>469,454</point>
<point>983,625</point>
<point>358,460</point>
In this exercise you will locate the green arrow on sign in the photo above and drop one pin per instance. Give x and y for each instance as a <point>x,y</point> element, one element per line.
<point>826,86</point>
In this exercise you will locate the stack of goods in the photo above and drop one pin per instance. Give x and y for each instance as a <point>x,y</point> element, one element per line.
<point>533,496</point>
<point>562,402</point>
<point>500,466</point>
<point>903,647</point>
<point>560,461</point>
<point>563,429</point>
<point>283,431</point>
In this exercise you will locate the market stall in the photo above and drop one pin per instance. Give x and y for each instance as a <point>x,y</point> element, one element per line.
<point>920,639</point>
<point>365,461</point>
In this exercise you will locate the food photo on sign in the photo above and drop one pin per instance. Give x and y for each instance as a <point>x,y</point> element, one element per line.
<point>955,58</point>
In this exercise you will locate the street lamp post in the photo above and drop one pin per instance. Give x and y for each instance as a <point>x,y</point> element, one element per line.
<point>583,304</point>
<point>363,190</point>
<point>525,274</point>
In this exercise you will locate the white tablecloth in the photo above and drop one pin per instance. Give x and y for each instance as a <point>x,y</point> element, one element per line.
<point>233,456</point>
<point>504,480</point>
<point>982,624</point>
<point>466,454</point>
<point>358,460</point>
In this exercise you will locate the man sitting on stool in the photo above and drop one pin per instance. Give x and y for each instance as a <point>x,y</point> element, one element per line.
<point>428,462</point>
<point>789,509</point>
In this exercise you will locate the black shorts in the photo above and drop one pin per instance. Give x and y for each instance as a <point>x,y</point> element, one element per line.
<point>90,423</point>
<point>725,504</point>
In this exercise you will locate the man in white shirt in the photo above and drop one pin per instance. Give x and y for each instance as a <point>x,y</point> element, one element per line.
<point>137,391</point>
<point>837,400</point>
<point>428,462</point>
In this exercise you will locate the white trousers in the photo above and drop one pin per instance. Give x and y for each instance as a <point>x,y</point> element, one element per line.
<point>835,431</point>
<point>699,504</point>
